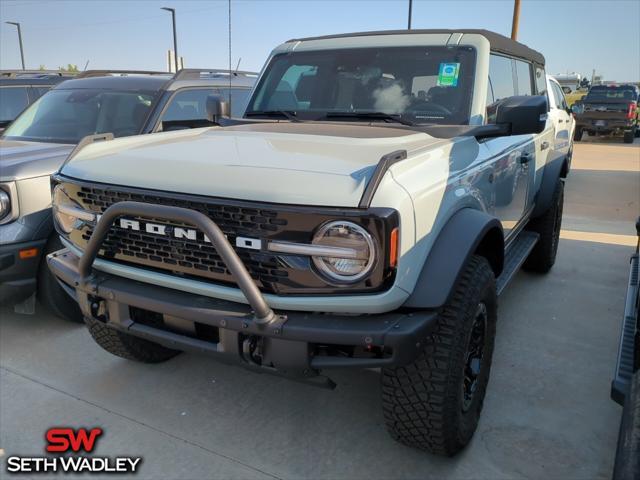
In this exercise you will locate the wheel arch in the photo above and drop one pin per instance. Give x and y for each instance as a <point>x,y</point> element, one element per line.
<point>468,232</point>
<point>556,168</point>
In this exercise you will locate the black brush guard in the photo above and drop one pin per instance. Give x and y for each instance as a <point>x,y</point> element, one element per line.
<point>288,340</point>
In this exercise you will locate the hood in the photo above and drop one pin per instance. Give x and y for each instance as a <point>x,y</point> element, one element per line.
<point>20,160</point>
<point>291,163</point>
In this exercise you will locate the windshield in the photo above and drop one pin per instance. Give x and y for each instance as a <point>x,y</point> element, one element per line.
<point>66,116</point>
<point>621,92</point>
<point>416,84</point>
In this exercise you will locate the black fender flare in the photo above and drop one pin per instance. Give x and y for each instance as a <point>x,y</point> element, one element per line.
<point>467,232</point>
<point>551,172</point>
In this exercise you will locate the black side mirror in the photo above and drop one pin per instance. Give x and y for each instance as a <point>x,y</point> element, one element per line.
<point>217,108</point>
<point>524,114</point>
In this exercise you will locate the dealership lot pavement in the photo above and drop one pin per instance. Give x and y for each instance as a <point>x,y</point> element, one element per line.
<point>547,413</point>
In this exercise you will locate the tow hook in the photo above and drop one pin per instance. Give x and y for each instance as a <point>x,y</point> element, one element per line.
<point>98,308</point>
<point>252,350</point>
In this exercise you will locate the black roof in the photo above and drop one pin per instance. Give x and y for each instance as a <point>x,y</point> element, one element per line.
<point>499,43</point>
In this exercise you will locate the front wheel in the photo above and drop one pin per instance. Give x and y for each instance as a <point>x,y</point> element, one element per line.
<point>434,403</point>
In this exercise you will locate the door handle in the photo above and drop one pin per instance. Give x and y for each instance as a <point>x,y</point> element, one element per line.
<point>544,145</point>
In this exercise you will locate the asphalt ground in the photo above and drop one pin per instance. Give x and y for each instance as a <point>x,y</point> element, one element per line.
<point>547,413</point>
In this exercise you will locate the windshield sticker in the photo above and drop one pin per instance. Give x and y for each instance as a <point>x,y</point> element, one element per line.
<point>448,75</point>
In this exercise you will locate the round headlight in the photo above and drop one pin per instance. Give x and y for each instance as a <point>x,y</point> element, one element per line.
<point>345,235</point>
<point>63,219</point>
<point>5,204</point>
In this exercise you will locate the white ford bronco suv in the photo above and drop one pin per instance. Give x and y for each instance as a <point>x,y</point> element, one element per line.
<point>379,193</point>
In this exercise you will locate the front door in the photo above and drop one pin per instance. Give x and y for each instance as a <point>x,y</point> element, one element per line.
<point>513,173</point>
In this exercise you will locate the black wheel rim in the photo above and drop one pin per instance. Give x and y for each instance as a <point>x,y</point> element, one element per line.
<point>474,357</point>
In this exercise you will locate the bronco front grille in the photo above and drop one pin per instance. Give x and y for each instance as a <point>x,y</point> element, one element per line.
<point>187,257</point>
<point>196,258</point>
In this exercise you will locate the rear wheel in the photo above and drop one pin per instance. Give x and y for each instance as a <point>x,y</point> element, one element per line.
<point>629,135</point>
<point>434,403</point>
<point>577,134</point>
<point>51,295</point>
<point>548,226</point>
<point>127,346</point>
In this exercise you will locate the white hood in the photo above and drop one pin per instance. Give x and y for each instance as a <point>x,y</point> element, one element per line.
<point>291,163</point>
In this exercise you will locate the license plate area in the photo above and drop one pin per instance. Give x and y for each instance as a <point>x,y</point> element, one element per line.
<point>600,123</point>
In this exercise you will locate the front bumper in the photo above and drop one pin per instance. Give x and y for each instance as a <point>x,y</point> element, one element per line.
<point>18,276</point>
<point>291,343</point>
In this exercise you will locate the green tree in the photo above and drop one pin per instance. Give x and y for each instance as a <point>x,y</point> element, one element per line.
<point>70,68</point>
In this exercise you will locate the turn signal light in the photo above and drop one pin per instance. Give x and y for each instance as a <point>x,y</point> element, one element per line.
<point>632,110</point>
<point>28,253</point>
<point>393,248</point>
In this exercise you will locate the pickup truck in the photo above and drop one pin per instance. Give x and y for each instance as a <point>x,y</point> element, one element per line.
<point>379,193</point>
<point>608,109</point>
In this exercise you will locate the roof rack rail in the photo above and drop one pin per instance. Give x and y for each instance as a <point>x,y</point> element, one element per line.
<point>197,73</point>
<point>102,73</point>
<point>36,73</point>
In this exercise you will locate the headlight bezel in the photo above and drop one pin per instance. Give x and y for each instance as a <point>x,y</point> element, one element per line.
<point>10,190</point>
<point>67,213</point>
<point>327,272</point>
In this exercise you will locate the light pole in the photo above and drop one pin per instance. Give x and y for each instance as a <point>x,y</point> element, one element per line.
<point>516,20</point>
<point>409,23</point>
<point>175,39</point>
<point>19,40</point>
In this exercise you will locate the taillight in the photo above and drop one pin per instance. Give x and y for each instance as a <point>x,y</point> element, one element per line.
<point>632,110</point>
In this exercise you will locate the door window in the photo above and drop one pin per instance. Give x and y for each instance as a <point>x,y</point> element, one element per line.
<point>12,101</point>
<point>523,74</point>
<point>192,104</point>
<point>501,84</point>
<point>188,105</point>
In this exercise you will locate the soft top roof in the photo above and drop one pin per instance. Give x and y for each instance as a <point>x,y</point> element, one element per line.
<point>499,43</point>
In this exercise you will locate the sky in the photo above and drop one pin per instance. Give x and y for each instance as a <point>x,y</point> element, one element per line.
<point>135,34</point>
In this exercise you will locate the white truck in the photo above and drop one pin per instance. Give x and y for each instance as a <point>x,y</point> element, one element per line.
<point>377,196</point>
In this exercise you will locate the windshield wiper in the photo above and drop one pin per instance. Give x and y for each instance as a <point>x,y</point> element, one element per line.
<point>387,117</point>
<point>288,114</point>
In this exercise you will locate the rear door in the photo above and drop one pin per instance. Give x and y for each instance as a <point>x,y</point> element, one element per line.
<point>562,121</point>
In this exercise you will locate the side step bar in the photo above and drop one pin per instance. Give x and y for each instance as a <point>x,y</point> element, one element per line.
<point>626,347</point>
<point>515,256</point>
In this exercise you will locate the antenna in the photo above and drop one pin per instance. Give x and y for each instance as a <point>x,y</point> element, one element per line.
<point>237,66</point>
<point>85,66</point>
<point>230,71</point>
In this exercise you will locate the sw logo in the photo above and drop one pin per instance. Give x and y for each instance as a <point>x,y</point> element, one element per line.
<point>65,439</point>
<point>68,442</point>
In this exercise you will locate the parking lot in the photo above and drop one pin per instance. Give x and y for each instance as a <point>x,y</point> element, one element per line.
<point>547,413</point>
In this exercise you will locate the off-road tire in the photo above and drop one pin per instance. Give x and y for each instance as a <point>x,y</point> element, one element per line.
<point>423,402</point>
<point>548,226</point>
<point>127,346</point>
<point>627,462</point>
<point>629,135</point>
<point>50,294</point>
<point>577,134</point>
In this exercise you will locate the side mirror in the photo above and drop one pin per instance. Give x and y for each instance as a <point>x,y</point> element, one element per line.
<point>566,90</point>
<point>524,114</point>
<point>217,108</point>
